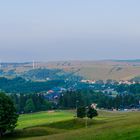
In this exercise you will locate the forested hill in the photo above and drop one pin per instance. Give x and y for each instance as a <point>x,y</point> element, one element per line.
<point>20,85</point>
<point>41,74</point>
<point>36,80</point>
<point>50,74</point>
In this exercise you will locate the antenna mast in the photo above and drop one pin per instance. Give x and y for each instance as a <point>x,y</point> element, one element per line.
<point>33,64</point>
<point>0,64</point>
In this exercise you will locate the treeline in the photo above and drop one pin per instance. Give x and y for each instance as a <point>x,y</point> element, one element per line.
<point>53,74</point>
<point>20,85</point>
<point>86,97</point>
<point>27,103</point>
<point>132,89</point>
<point>42,74</point>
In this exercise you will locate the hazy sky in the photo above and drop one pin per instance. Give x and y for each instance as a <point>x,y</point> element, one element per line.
<point>69,29</point>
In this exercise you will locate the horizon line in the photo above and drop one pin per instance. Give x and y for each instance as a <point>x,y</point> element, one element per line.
<point>41,61</point>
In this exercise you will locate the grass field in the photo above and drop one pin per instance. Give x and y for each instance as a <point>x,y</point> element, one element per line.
<point>40,118</point>
<point>62,125</point>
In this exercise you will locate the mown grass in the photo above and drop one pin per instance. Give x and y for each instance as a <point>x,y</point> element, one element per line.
<point>41,118</point>
<point>35,124</point>
<point>107,126</point>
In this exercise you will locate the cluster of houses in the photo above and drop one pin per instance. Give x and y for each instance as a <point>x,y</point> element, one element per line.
<point>105,87</point>
<point>88,81</point>
<point>54,93</point>
<point>127,82</point>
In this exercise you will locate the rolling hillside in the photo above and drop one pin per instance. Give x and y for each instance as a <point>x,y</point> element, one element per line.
<point>94,70</point>
<point>63,126</point>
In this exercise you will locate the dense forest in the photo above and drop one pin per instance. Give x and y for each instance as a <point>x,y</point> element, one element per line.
<point>26,103</point>
<point>103,100</point>
<point>52,74</point>
<point>20,85</point>
<point>42,74</point>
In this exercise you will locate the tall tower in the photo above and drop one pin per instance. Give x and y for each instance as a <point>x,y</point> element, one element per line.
<point>33,64</point>
<point>0,64</point>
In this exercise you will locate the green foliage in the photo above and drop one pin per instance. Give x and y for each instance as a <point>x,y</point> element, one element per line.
<point>8,115</point>
<point>91,112</point>
<point>29,106</point>
<point>20,85</point>
<point>42,74</point>
<point>53,74</point>
<point>71,99</point>
<point>86,97</point>
<point>81,112</point>
<point>26,103</point>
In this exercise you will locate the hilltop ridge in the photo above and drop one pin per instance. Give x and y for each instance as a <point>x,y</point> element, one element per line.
<point>92,70</point>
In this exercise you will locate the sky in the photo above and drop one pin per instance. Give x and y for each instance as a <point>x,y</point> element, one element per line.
<point>50,30</point>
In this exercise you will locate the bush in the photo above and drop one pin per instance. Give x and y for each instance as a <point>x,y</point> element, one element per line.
<point>91,112</point>
<point>81,112</point>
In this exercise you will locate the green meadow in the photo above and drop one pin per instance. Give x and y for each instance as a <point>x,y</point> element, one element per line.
<point>62,125</point>
<point>41,118</point>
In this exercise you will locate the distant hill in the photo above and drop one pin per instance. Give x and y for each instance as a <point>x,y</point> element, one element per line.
<point>128,61</point>
<point>137,79</point>
<point>20,85</point>
<point>94,70</point>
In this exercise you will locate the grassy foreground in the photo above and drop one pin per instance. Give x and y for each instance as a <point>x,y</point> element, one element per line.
<point>63,126</point>
<point>40,118</point>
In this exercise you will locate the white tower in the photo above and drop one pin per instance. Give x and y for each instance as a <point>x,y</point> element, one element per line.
<point>33,64</point>
<point>0,64</point>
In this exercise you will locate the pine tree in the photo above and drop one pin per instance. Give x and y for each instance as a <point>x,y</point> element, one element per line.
<point>29,106</point>
<point>81,112</point>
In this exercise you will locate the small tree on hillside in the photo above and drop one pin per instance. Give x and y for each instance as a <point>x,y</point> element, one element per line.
<point>91,112</point>
<point>81,112</point>
<point>8,115</point>
<point>29,107</point>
